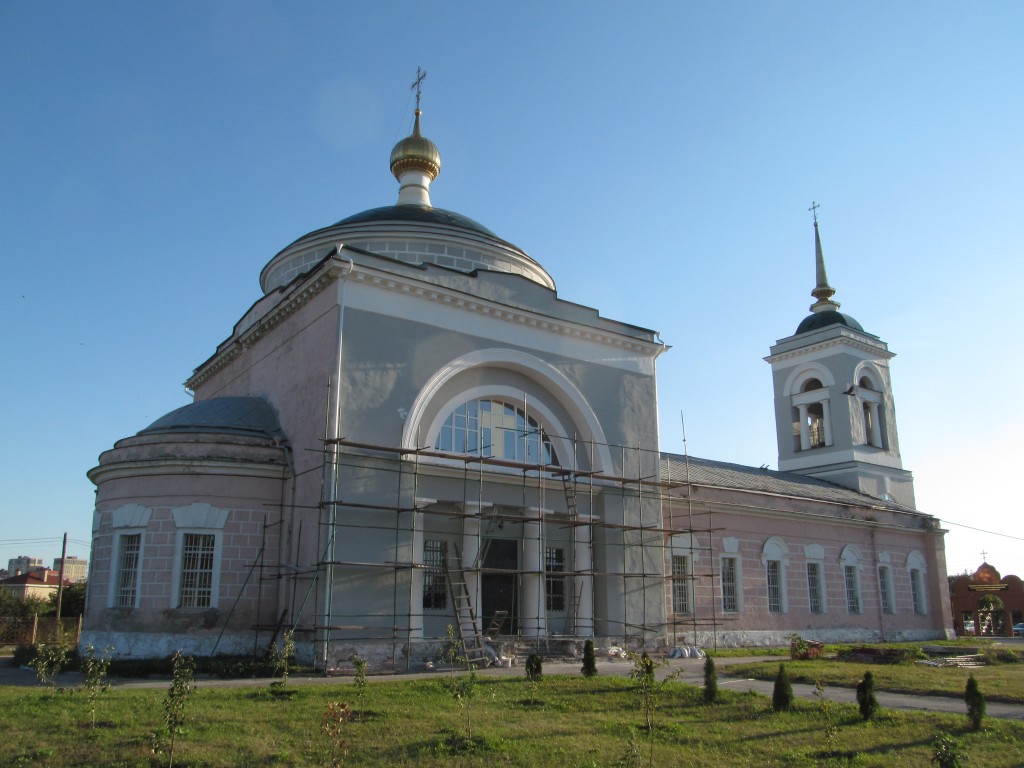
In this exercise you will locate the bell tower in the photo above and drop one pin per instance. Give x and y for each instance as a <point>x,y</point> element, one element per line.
<point>834,413</point>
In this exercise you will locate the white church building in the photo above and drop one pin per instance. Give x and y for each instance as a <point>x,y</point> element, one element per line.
<point>411,431</point>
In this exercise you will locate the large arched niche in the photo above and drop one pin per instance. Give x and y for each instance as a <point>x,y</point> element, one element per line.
<point>517,377</point>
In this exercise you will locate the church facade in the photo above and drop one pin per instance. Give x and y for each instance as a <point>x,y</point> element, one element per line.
<point>410,435</point>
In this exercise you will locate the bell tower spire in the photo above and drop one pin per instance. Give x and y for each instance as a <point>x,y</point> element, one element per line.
<point>834,413</point>
<point>823,292</point>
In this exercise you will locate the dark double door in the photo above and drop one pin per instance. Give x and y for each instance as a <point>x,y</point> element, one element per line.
<point>498,590</point>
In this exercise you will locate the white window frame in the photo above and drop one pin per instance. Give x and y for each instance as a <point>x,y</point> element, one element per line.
<point>114,592</point>
<point>775,556</point>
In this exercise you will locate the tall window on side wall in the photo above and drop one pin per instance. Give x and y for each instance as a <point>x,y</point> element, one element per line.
<point>126,578</point>
<point>496,429</point>
<point>435,594</point>
<point>681,584</point>
<point>554,583</point>
<point>885,588</point>
<point>815,591</point>
<point>916,569</point>
<point>730,585</point>
<point>773,571</point>
<point>852,589</point>
<point>871,412</point>
<point>196,582</point>
<point>916,593</point>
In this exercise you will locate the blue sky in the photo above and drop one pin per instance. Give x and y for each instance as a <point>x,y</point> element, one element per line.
<point>658,159</point>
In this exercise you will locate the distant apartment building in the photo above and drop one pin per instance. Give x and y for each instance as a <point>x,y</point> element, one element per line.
<point>24,564</point>
<point>76,570</point>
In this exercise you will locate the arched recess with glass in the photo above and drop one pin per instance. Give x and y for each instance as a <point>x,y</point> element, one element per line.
<point>522,531</point>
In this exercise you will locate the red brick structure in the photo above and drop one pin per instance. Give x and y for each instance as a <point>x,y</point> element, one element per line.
<point>984,603</point>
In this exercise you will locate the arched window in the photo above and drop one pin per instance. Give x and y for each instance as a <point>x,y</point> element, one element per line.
<point>496,429</point>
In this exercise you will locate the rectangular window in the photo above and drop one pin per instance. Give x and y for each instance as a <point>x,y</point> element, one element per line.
<point>730,586</point>
<point>915,591</point>
<point>885,588</point>
<point>814,591</point>
<point>127,579</point>
<point>435,594</point>
<point>774,573</point>
<point>196,589</point>
<point>852,589</point>
<point>680,584</point>
<point>554,562</point>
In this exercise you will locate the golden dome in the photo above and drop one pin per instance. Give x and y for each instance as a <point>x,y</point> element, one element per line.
<point>416,152</point>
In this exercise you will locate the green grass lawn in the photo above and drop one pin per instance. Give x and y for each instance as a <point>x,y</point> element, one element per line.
<point>563,721</point>
<point>1004,682</point>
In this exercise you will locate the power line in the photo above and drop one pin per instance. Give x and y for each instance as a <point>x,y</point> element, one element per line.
<point>982,530</point>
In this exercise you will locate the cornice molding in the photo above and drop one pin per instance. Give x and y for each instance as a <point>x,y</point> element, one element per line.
<point>845,340</point>
<point>338,269</point>
<point>131,469</point>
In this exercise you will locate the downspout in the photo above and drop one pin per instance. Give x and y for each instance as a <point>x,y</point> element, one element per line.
<point>334,434</point>
<point>878,578</point>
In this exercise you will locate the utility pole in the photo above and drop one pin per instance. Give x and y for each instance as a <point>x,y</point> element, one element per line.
<point>60,583</point>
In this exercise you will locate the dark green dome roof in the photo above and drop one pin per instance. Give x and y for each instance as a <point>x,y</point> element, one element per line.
<point>418,213</point>
<point>818,320</point>
<point>242,415</point>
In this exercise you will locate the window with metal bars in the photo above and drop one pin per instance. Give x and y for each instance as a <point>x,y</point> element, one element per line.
<point>730,585</point>
<point>127,578</point>
<point>554,562</point>
<point>196,589</point>
<point>885,588</point>
<point>680,584</point>
<point>435,591</point>
<point>852,589</point>
<point>814,591</point>
<point>773,570</point>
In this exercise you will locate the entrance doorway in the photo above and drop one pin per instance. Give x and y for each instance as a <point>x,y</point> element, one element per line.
<point>498,590</point>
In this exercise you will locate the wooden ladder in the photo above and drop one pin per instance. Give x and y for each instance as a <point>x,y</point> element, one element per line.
<point>465,617</point>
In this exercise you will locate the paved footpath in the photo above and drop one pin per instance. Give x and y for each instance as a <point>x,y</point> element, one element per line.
<point>692,672</point>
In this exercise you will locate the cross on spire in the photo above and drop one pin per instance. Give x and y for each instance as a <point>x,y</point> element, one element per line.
<point>813,209</point>
<point>984,554</point>
<point>421,74</point>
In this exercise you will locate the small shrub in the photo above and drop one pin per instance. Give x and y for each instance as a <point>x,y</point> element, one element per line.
<point>975,703</point>
<point>359,679</point>
<point>182,686</point>
<point>50,658</point>
<point>643,673</point>
<point>332,726</point>
<point>95,672</point>
<point>589,660</point>
<point>23,655</point>
<point>866,696</point>
<point>782,693</point>
<point>946,752</point>
<point>534,667</point>
<point>280,656</point>
<point>710,681</point>
<point>826,710</point>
